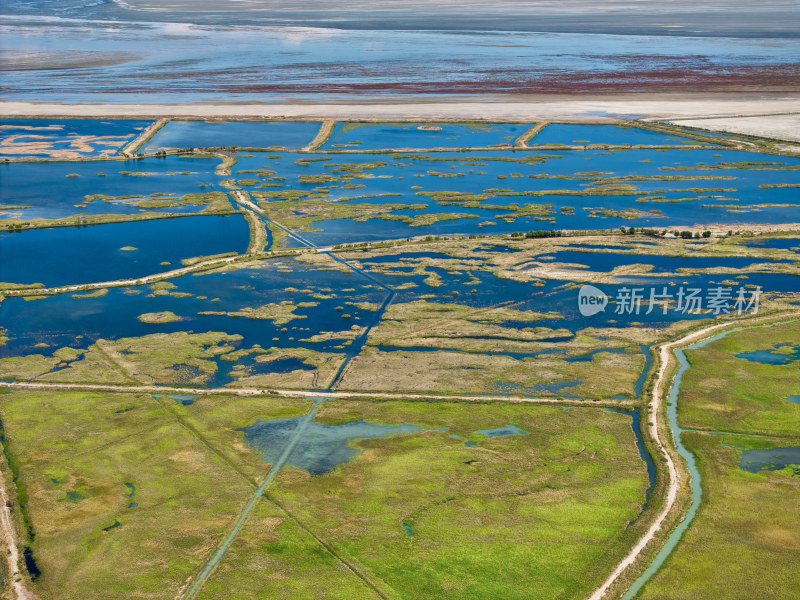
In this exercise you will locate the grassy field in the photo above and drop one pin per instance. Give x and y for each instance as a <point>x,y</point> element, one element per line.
<point>426,516</point>
<point>722,392</point>
<point>217,418</point>
<point>124,500</point>
<point>128,494</point>
<point>744,541</point>
<point>274,558</point>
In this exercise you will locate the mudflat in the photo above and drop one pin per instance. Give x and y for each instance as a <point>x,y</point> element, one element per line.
<point>552,108</point>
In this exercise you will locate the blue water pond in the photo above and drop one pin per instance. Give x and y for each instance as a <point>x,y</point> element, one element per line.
<point>780,244</point>
<point>78,137</point>
<point>179,398</point>
<point>245,134</point>
<point>59,194</point>
<point>509,429</point>
<point>369,136</point>
<point>132,490</point>
<point>771,459</point>
<point>75,255</point>
<point>322,447</point>
<point>771,357</point>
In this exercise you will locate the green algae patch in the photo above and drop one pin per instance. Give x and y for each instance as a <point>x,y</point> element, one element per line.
<point>95,294</point>
<point>158,318</point>
<point>280,314</point>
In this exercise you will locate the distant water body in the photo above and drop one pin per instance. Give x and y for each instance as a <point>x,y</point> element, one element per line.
<point>738,18</point>
<point>151,52</point>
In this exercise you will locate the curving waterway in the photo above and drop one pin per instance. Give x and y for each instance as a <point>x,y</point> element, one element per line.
<point>694,483</point>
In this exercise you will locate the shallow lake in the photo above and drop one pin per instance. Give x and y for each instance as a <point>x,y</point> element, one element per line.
<point>781,354</point>
<point>322,447</point>
<point>771,459</point>
<point>469,284</point>
<point>62,320</point>
<point>57,193</point>
<point>509,429</point>
<point>676,187</point>
<point>95,253</point>
<point>246,134</point>
<point>781,244</point>
<point>333,299</point>
<point>66,138</point>
<point>368,136</point>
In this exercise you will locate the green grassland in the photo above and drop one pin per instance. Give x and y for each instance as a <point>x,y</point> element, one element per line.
<point>216,419</point>
<point>724,393</point>
<point>75,453</point>
<point>744,540</point>
<point>274,557</point>
<point>549,509</point>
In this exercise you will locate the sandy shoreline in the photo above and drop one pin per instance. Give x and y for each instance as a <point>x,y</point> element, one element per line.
<point>785,127</point>
<point>551,108</point>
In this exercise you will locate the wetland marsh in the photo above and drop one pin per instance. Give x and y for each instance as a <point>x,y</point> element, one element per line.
<point>745,437</point>
<point>379,355</point>
<point>66,138</point>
